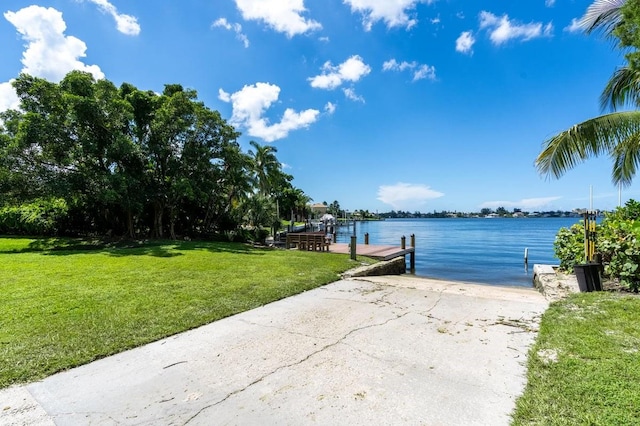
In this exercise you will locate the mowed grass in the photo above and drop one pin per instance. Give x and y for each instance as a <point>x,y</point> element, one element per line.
<point>584,368</point>
<point>67,302</point>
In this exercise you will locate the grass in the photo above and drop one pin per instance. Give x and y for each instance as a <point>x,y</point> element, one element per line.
<point>67,302</point>
<point>584,368</point>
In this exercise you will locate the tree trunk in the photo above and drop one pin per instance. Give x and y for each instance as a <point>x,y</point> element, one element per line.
<point>130,224</point>
<point>172,223</point>
<point>157,219</point>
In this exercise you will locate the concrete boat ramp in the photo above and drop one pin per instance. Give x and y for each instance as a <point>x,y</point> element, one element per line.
<point>375,351</point>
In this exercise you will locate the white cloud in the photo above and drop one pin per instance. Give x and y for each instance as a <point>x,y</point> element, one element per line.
<point>8,97</point>
<point>237,28</point>
<point>407,196</point>
<point>324,39</point>
<point>525,204</point>
<point>284,16</point>
<point>424,71</point>
<point>464,43</point>
<point>574,26</point>
<point>350,93</point>
<point>49,54</point>
<point>126,24</point>
<point>420,71</point>
<point>249,105</point>
<point>501,29</point>
<point>353,69</point>
<point>330,108</point>
<point>549,3</point>
<point>392,12</point>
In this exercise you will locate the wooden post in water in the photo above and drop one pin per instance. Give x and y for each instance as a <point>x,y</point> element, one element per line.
<point>366,238</point>
<point>403,242</point>
<point>412,256</point>
<point>353,247</point>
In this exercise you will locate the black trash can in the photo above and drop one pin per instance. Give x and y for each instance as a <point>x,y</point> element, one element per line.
<point>588,275</point>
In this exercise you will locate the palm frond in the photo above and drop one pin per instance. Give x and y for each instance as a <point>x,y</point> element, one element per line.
<point>623,89</point>
<point>592,138</point>
<point>626,159</point>
<point>602,15</point>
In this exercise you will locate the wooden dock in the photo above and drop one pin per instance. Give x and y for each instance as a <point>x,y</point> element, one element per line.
<point>376,252</point>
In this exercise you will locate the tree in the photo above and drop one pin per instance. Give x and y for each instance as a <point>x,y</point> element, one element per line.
<point>265,166</point>
<point>616,134</point>
<point>501,211</point>
<point>334,208</point>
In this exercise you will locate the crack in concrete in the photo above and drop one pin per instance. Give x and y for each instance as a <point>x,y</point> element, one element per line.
<point>281,329</point>
<point>282,367</point>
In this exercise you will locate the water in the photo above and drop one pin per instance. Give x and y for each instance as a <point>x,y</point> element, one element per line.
<point>489,251</point>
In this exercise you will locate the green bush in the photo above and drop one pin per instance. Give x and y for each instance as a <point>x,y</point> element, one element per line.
<point>618,242</point>
<point>569,246</point>
<point>40,217</point>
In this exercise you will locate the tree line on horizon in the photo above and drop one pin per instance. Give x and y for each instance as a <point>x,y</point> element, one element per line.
<point>84,157</point>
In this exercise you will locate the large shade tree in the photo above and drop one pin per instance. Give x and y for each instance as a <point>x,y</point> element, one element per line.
<point>616,134</point>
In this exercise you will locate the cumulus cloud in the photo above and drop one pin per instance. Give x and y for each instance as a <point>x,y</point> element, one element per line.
<point>330,108</point>
<point>49,53</point>
<point>464,43</point>
<point>419,71</point>
<point>126,24</point>
<point>351,70</point>
<point>407,196</point>
<point>284,16</point>
<point>525,204</point>
<point>237,28</point>
<point>502,29</point>
<point>574,26</point>
<point>250,104</point>
<point>549,3</point>
<point>393,12</point>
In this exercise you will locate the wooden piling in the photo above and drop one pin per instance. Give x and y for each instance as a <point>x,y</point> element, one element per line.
<point>353,247</point>
<point>403,242</point>
<point>366,238</point>
<point>412,256</point>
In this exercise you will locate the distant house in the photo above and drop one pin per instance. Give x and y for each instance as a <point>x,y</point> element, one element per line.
<point>318,209</point>
<point>518,214</point>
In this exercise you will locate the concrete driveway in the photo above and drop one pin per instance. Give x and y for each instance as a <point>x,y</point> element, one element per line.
<point>378,350</point>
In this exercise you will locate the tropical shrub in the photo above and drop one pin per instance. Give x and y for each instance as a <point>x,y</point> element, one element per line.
<point>569,246</point>
<point>618,243</point>
<point>40,217</point>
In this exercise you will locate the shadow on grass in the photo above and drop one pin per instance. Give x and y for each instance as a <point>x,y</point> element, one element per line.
<point>58,246</point>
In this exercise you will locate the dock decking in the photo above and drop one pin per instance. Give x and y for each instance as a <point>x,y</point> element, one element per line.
<point>376,252</point>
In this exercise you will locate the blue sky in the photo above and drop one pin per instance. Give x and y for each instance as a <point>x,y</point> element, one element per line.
<point>379,104</point>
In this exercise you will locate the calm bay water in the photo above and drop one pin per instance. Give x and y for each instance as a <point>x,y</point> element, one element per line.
<point>489,251</point>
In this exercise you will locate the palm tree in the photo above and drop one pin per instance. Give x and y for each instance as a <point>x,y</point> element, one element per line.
<point>616,134</point>
<point>265,166</point>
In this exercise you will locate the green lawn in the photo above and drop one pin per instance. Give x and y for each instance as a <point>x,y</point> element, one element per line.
<point>584,368</point>
<point>67,302</point>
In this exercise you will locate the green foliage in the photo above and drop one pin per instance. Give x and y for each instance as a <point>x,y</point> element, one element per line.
<point>40,217</point>
<point>129,162</point>
<point>569,246</point>
<point>618,242</point>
